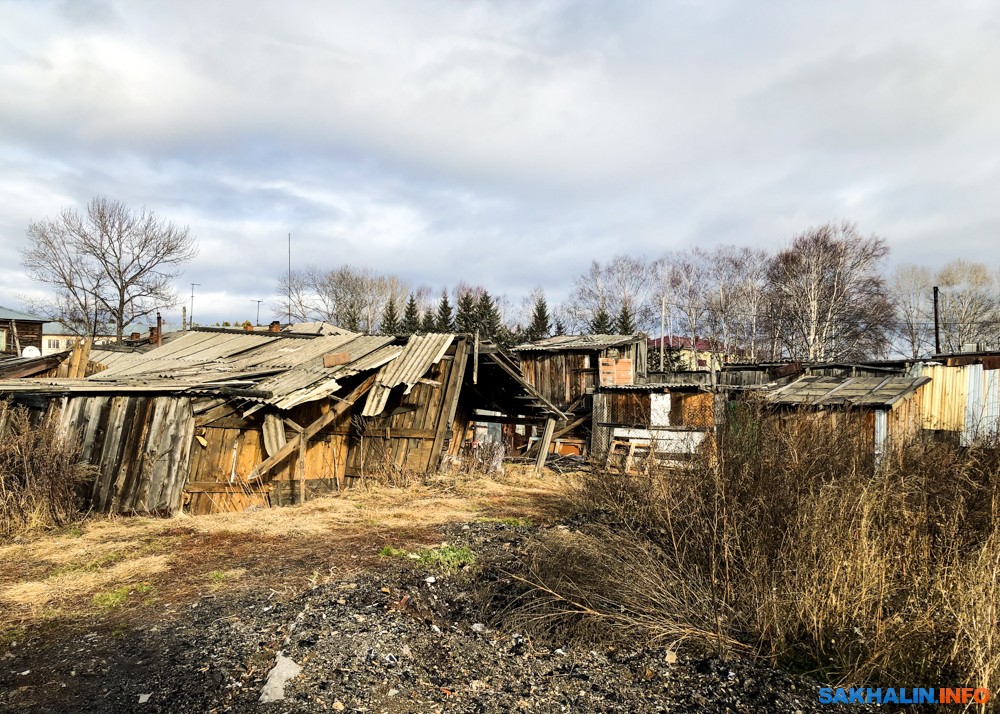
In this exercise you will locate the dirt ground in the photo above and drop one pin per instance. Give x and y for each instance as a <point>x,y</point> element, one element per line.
<point>373,596</point>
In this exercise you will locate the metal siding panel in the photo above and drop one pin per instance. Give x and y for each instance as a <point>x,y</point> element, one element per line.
<point>944,398</point>
<point>991,415</point>
<point>975,404</point>
<point>881,431</point>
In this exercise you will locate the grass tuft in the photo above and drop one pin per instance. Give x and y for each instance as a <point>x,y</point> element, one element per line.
<point>390,552</point>
<point>446,558</point>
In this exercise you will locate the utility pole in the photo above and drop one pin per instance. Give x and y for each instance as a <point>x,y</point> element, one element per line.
<point>289,278</point>
<point>191,312</point>
<point>937,324</point>
<point>663,314</point>
<point>257,324</point>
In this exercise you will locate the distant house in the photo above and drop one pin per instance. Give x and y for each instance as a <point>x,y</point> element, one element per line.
<point>56,338</point>
<point>19,331</point>
<point>683,353</point>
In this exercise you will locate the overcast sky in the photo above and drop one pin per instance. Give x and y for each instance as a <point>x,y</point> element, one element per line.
<point>504,143</point>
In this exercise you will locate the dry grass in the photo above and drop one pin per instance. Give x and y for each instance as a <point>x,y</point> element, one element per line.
<point>142,565</point>
<point>796,546</point>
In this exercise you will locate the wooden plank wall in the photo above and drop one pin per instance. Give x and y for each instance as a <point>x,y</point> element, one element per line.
<point>29,334</point>
<point>400,442</point>
<point>141,446</point>
<point>393,445</point>
<point>560,377</point>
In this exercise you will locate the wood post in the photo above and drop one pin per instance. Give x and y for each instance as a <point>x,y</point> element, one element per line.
<point>543,449</point>
<point>300,469</point>
<point>564,430</point>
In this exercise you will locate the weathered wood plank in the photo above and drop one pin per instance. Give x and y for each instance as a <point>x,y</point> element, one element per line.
<point>310,431</point>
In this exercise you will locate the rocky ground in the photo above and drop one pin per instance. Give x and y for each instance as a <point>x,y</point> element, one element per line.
<point>397,637</point>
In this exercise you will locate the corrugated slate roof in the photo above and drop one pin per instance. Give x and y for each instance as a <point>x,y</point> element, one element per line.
<point>420,353</point>
<point>579,342</point>
<point>283,370</point>
<point>846,391</point>
<point>7,314</point>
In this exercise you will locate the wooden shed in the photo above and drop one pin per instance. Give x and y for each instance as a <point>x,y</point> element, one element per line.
<point>887,409</point>
<point>671,423</point>
<point>567,368</point>
<point>19,331</point>
<point>222,420</point>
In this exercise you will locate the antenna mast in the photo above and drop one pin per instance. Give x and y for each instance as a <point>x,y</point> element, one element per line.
<point>289,278</point>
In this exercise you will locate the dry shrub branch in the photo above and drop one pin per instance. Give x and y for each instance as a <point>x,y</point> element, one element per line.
<point>40,472</point>
<point>793,543</point>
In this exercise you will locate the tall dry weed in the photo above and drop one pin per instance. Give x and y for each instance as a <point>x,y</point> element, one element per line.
<point>795,543</point>
<point>40,472</point>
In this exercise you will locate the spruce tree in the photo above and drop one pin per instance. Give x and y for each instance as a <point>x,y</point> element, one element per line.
<point>488,317</point>
<point>351,319</point>
<point>540,324</point>
<point>428,324</point>
<point>601,324</point>
<point>411,317</point>
<point>445,316</point>
<point>465,317</point>
<point>625,324</point>
<point>390,317</point>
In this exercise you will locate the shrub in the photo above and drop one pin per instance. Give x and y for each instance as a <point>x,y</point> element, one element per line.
<point>40,472</point>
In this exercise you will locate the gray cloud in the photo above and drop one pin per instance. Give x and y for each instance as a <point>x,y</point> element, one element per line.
<point>500,143</point>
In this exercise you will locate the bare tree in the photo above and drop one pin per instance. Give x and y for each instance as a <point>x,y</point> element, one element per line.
<point>110,264</point>
<point>623,281</point>
<point>969,309</point>
<point>684,278</point>
<point>830,295</point>
<point>748,273</point>
<point>349,297</point>
<point>911,293</point>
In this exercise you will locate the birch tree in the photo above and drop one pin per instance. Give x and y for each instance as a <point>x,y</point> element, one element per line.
<point>912,294</point>
<point>830,295</point>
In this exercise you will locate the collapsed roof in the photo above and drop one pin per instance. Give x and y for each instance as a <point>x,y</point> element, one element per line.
<point>846,391</point>
<point>277,369</point>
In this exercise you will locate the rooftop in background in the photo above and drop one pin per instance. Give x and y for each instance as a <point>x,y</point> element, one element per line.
<point>846,391</point>
<point>560,343</point>
<point>677,342</point>
<point>7,314</point>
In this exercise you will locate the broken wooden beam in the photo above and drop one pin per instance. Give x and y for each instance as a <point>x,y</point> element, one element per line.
<point>310,431</point>
<point>562,432</point>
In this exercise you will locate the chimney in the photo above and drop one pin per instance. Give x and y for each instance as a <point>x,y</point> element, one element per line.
<point>156,333</point>
<point>275,326</point>
<point>134,336</point>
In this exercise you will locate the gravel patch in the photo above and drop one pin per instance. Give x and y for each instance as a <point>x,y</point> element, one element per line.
<point>396,639</point>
